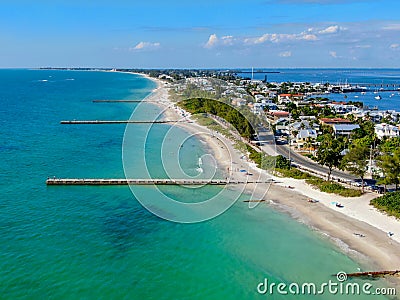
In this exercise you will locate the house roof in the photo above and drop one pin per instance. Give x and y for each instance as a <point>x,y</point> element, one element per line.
<point>279,113</point>
<point>384,126</point>
<point>291,95</point>
<point>345,127</point>
<point>305,133</point>
<point>335,121</point>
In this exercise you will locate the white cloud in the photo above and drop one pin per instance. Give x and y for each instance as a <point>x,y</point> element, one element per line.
<point>228,40</point>
<point>212,41</point>
<point>145,46</point>
<point>333,54</point>
<point>330,30</point>
<point>394,46</point>
<point>394,26</point>
<point>281,37</point>
<point>308,37</point>
<point>285,54</point>
<point>362,46</point>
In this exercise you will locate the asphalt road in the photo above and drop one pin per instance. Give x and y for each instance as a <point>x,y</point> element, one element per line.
<point>269,146</point>
<point>302,161</point>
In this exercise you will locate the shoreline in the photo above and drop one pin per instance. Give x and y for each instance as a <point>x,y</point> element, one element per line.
<point>375,249</point>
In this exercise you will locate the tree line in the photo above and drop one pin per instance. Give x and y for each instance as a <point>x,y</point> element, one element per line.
<point>222,110</point>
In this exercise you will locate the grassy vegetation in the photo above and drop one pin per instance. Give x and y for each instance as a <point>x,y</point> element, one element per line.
<point>322,185</point>
<point>389,203</point>
<point>221,109</point>
<point>333,188</point>
<point>294,173</point>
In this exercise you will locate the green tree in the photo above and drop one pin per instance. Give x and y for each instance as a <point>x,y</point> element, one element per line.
<point>390,145</point>
<point>389,163</point>
<point>329,153</point>
<point>310,143</point>
<point>355,161</point>
<point>282,162</point>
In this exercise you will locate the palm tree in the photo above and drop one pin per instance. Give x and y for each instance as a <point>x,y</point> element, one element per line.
<point>310,143</point>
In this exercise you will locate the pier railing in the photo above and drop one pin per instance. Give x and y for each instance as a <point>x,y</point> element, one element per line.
<point>102,181</point>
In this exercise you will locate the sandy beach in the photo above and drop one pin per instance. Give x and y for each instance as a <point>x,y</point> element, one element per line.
<point>358,229</point>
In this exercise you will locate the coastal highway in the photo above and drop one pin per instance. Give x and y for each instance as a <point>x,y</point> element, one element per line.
<point>269,146</point>
<point>305,162</point>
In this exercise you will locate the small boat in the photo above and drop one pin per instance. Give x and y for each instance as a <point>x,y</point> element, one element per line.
<point>378,97</point>
<point>339,205</point>
<point>312,200</point>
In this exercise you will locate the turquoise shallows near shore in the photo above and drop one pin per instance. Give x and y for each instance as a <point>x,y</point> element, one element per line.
<point>99,242</point>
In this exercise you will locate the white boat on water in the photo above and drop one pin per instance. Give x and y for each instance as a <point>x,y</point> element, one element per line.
<point>378,97</point>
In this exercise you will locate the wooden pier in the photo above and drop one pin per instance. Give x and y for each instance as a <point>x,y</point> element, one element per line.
<point>374,274</point>
<point>121,101</point>
<point>91,181</point>
<point>75,122</point>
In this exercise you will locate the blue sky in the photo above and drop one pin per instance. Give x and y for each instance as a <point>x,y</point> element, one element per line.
<point>200,34</point>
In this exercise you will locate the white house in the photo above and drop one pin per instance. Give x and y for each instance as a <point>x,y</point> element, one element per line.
<point>382,130</point>
<point>305,134</point>
<point>344,129</point>
<point>287,98</point>
<point>345,108</point>
<point>239,102</point>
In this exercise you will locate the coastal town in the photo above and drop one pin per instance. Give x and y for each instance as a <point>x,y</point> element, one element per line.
<point>336,159</point>
<point>200,150</point>
<point>301,114</point>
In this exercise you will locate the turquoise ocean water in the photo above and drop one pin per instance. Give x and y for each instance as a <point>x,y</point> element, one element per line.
<point>99,242</point>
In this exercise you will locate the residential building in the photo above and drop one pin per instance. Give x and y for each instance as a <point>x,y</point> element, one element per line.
<point>287,98</point>
<point>344,129</point>
<point>340,126</point>
<point>386,130</point>
<point>304,135</point>
<point>277,114</point>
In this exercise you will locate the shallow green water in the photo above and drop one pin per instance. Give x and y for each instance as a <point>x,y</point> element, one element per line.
<point>99,242</point>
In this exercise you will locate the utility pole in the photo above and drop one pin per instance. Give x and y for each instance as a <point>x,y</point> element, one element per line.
<point>370,161</point>
<point>290,133</point>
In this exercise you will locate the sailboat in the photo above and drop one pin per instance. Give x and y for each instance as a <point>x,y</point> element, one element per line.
<point>377,97</point>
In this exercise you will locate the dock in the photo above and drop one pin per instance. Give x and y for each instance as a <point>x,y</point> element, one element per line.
<point>75,122</point>
<point>99,181</point>
<point>122,101</point>
<point>374,274</point>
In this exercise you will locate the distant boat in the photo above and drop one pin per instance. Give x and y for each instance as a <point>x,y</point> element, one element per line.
<point>378,97</point>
